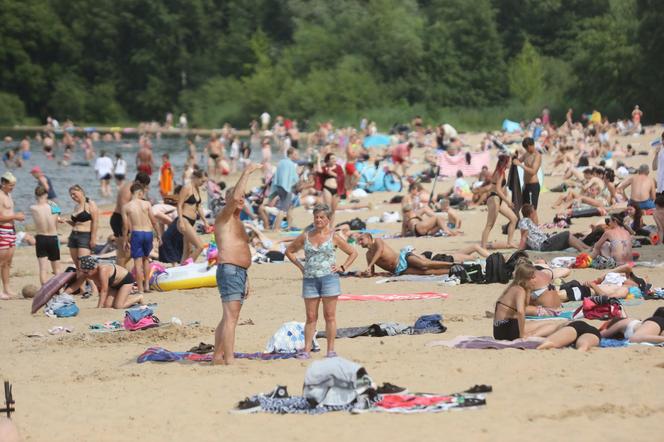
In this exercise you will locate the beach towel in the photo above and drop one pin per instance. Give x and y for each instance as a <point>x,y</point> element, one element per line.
<point>425,403</point>
<point>510,126</point>
<point>159,354</point>
<point>413,278</point>
<point>487,342</point>
<point>394,296</point>
<point>450,164</point>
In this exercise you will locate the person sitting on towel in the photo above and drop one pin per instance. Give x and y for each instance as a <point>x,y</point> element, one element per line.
<point>406,262</point>
<point>533,238</point>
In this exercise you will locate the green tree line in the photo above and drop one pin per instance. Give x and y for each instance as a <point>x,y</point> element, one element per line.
<point>229,60</point>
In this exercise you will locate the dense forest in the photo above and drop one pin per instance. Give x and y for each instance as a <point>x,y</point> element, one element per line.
<point>229,60</point>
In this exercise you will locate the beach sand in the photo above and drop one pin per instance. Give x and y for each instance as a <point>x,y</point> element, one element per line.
<point>88,386</point>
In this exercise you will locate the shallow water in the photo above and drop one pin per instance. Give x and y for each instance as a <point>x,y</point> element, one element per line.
<point>63,177</point>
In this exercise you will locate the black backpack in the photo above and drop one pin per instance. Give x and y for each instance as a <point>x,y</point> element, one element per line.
<point>459,271</point>
<point>510,265</point>
<point>495,270</point>
<point>474,272</point>
<point>354,224</point>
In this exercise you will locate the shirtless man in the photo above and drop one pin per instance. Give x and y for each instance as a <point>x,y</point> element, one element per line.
<point>234,261</point>
<point>47,245</point>
<point>406,262</point>
<point>643,188</point>
<point>144,159</point>
<point>214,149</point>
<point>139,223</point>
<point>7,231</point>
<point>124,195</point>
<point>530,162</point>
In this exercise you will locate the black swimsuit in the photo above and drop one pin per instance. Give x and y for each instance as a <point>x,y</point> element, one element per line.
<point>495,193</point>
<point>83,216</point>
<point>128,279</point>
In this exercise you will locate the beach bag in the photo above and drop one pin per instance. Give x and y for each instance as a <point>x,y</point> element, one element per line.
<point>142,324</point>
<point>600,307</point>
<point>495,270</point>
<point>602,262</point>
<point>66,311</point>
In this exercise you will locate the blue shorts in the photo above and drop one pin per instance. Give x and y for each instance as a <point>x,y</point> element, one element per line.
<point>402,262</point>
<point>140,243</point>
<point>644,205</point>
<point>232,282</point>
<point>321,286</point>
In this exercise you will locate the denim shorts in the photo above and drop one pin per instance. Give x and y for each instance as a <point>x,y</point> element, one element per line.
<point>321,286</point>
<point>232,282</point>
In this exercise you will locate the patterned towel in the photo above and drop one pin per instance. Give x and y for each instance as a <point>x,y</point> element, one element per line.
<point>159,354</point>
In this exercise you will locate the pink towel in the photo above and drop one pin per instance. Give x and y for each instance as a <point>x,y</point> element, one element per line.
<point>449,165</point>
<point>394,296</point>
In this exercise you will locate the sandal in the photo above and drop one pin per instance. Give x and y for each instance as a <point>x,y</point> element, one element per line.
<point>303,355</point>
<point>331,354</point>
<point>480,389</point>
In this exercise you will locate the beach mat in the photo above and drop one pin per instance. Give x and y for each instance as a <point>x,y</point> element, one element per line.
<point>160,354</point>
<point>487,342</point>
<point>394,296</point>
<point>413,278</point>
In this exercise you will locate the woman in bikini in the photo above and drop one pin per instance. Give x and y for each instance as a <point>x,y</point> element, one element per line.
<point>423,225</point>
<point>113,282</point>
<point>328,174</point>
<point>509,321</point>
<point>497,202</point>
<point>84,222</point>
<point>649,330</point>
<point>615,244</point>
<point>579,334</point>
<point>189,207</point>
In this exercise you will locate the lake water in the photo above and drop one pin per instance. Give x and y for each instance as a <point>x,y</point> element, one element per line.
<point>63,177</point>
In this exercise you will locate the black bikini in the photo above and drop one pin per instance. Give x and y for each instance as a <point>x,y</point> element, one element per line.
<point>496,194</point>
<point>82,216</point>
<point>193,202</point>
<point>506,329</point>
<point>128,279</point>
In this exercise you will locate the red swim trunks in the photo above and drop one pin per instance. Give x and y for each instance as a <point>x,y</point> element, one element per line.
<point>145,168</point>
<point>7,236</point>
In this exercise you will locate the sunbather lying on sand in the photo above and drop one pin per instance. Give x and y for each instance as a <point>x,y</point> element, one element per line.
<point>581,335</point>
<point>406,262</point>
<point>649,330</point>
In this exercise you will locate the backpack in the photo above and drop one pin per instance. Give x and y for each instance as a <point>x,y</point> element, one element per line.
<point>600,307</point>
<point>510,264</point>
<point>459,271</point>
<point>474,272</point>
<point>495,270</point>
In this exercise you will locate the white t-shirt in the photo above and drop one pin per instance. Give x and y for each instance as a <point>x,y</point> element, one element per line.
<point>450,132</point>
<point>120,167</point>
<point>103,166</point>
<point>660,171</point>
<point>265,118</point>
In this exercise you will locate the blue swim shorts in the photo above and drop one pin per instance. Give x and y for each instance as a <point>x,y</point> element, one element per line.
<point>140,243</point>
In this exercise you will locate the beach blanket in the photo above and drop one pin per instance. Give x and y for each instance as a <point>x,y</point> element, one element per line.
<point>159,354</point>
<point>510,126</point>
<point>394,296</point>
<point>450,164</point>
<point>424,324</point>
<point>388,403</point>
<point>487,342</point>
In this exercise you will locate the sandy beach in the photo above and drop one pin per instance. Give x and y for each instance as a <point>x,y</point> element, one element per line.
<point>87,386</point>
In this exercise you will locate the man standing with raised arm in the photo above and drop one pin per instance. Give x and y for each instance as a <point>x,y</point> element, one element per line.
<point>234,261</point>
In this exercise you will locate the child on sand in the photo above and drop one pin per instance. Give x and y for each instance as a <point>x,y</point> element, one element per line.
<point>139,225</point>
<point>47,244</point>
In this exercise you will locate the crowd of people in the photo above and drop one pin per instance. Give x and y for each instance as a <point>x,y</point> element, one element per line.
<point>324,169</point>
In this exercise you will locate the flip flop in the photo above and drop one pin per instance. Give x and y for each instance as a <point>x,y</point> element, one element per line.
<point>303,355</point>
<point>480,389</point>
<point>331,354</point>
